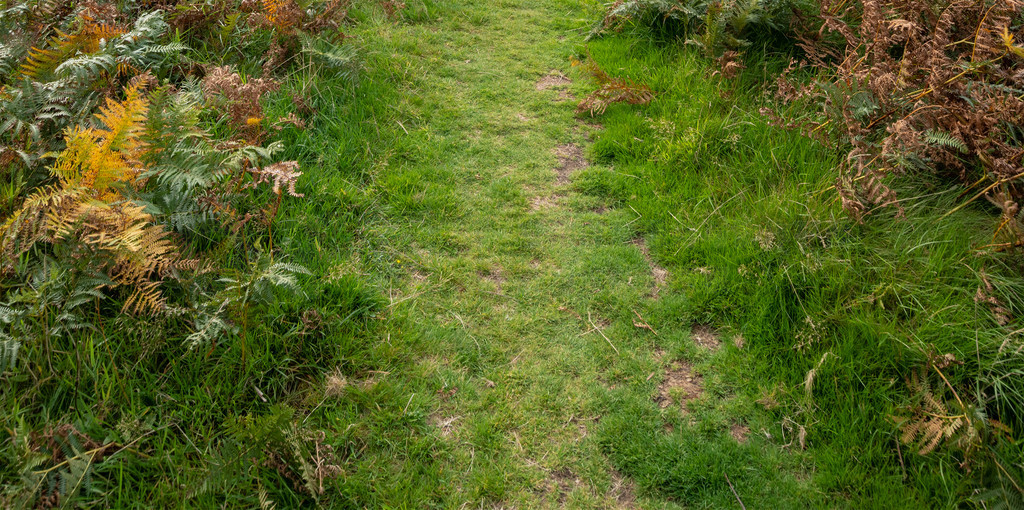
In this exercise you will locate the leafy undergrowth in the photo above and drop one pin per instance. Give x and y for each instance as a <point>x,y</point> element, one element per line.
<point>882,348</point>
<point>182,185</point>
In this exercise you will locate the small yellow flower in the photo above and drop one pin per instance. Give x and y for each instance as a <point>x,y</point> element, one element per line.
<point>253,121</point>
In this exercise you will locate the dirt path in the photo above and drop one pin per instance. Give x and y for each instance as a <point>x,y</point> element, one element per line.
<point>536,296</point>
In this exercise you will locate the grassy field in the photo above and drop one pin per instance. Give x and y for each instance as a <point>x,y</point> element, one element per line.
<point>509,305</point>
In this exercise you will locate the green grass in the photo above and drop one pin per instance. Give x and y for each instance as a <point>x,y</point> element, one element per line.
<point>742,213</point>
<point>457,287</point>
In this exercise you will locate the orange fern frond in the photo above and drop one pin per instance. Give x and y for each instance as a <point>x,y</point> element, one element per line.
<point>283,15</point>
<point>125,120</point>
<point>933,423</point>
<point>37,219</point>
<point>140,250</point>
<point>270,8</point>
<point>612,90</point>
<point>145,298</point>
<point>43,61</point>
<point>98,158</point>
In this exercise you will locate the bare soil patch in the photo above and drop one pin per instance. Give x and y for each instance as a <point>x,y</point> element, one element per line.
<point>739,432</point>
<point>658,273</point>
<point>705,336</point>
<point>623,490</point>
<point>681,384</point>
<point>564,481</point>
<point>570,158</point>
<point>541,203</point>
<point>495,275</point>
<point>443,424</point>
<point>552,80</point>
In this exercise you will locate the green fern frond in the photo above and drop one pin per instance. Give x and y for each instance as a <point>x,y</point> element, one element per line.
<point>9,348</point>
<point>946,140</point>
<point>340,58</point>
<point>86,68</point>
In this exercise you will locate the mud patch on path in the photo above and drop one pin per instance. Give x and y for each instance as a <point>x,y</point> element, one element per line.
<point>555,81</point>
<point>681,385</point>
<point>658,273</point>
<point>570,159</point>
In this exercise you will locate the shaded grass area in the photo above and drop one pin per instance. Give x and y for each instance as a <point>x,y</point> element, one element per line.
<point>835,316</point>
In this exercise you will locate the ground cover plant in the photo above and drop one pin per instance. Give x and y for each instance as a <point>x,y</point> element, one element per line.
<point>896,307</point>
<point>494,254</point>
<point>151,319</point>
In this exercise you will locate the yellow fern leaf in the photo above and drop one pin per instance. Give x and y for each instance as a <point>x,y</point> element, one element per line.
<point>35,221</point>
<point>145,298</point>
<point>99,158</point>
<point>43,61</point>
<point>124,120</point>
<point>86,207</point>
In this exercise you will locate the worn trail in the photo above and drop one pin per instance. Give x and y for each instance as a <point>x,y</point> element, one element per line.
<point>535,292</point>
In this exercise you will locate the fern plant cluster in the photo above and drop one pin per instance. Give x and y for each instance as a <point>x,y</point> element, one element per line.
<point>139,183</point>
<point>716,27</point>
<point>912,88</point>
<point>113,160</point>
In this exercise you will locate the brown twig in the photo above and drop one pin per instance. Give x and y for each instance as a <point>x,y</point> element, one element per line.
<point>606,339</point>
<point>733,489</point>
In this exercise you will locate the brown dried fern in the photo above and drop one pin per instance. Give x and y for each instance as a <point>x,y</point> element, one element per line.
<point>88,212</point>
<point>242,98</point>
<point>931,422</point>
<point>612,90</point>
<point>920,85</point>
